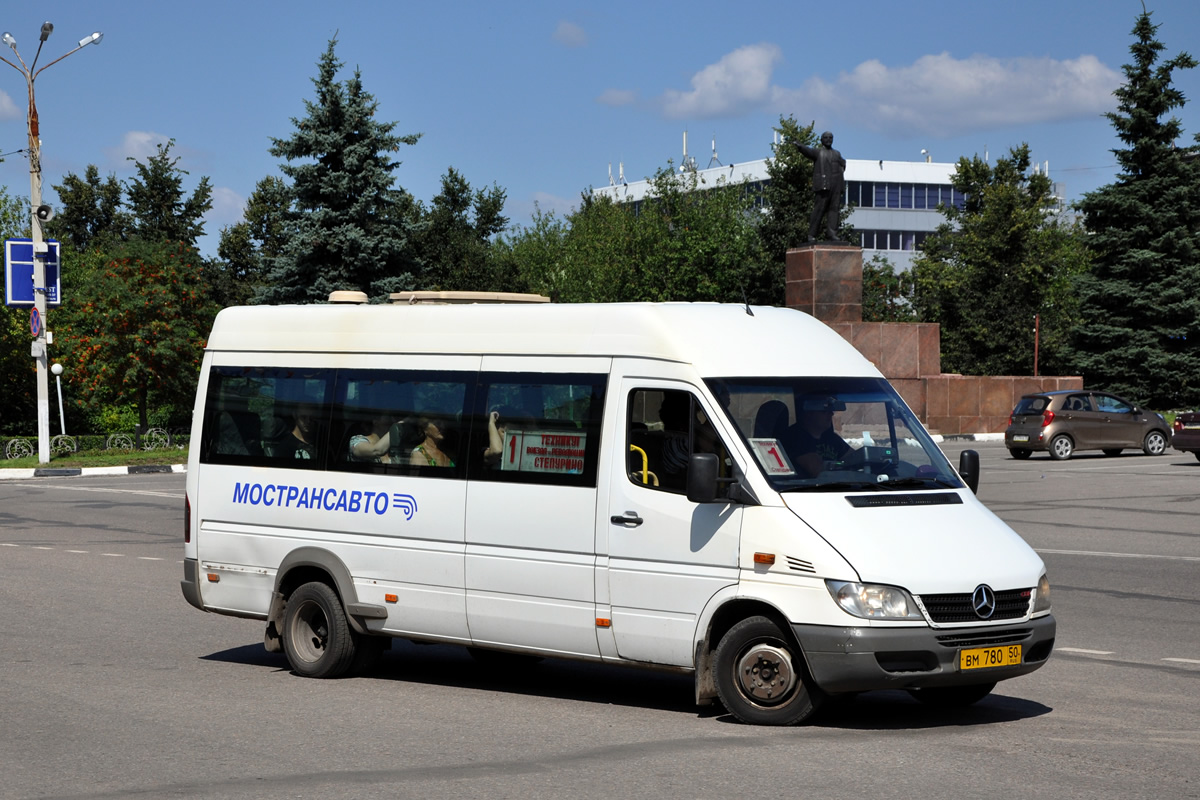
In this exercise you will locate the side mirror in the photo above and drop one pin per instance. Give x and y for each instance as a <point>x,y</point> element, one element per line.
<point>702,478</point>
<point>968,468</point>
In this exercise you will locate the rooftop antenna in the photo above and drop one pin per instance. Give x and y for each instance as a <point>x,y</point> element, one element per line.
<point>611,182</point>
<point>714,159</point>
<point>688,161</point>
<point>621,167</point>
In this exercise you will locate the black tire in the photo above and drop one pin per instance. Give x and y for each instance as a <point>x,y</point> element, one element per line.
<point>1196,453</point>
<point>1155,443</point>
<point>317,638</point>
<point>1019,453</point>
<point>760,676</point>
<point>1061,447</point>
<point>953,696</point>
<point>1113,451</point>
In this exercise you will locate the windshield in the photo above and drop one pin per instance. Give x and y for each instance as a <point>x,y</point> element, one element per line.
<point>833,434</point>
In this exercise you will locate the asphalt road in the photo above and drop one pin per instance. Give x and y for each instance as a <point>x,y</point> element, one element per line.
<point>111,686</point>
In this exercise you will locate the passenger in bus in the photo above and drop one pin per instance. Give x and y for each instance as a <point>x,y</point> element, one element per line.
<point>496,425</point>
<point>429,452</point>
<point>374,446</point>
<point>302,441</point>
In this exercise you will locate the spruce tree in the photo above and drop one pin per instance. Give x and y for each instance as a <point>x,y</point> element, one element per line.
<point>1140,308</point>
<point>347,227</point>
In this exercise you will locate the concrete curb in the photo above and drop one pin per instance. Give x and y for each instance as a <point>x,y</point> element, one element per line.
<point>68,472</point>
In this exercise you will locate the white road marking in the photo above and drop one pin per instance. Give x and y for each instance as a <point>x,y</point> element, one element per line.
<point>103,489</point>
<point>1184,660</point>
<point>1086,652</point>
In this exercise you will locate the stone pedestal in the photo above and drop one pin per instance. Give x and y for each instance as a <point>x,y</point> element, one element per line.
<point>825,280</point>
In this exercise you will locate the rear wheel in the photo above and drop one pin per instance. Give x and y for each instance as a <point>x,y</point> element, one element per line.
<point>1018,453</point>
<point>760,676</point>
<point>1155,443</point>
<point>953,696</point>
<point>316,634</point>
<point>1061,447</point>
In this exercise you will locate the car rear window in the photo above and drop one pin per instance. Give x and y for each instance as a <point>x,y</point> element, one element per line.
<point>1032,405</point>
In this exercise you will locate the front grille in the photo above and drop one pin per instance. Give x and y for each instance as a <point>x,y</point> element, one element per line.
<point>976,639</point>
<point>1010,604</point>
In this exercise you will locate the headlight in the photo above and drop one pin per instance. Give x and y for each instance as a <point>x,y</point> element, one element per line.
<point>873,601</point>
<point>1041,603</point>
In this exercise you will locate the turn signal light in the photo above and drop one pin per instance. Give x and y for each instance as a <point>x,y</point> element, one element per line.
<point>764,558</point>
<point>390,598</point>
<point>214,577</point>
<point>601,622</point>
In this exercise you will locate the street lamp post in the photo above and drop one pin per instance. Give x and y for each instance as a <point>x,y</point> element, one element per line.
<point>39,215</point>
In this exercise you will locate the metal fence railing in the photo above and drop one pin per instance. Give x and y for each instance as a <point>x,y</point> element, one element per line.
<point>150,439</point>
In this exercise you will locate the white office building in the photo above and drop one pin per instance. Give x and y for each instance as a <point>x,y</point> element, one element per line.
<point>895,202</point>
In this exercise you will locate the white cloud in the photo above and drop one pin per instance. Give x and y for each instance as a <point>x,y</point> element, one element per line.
<point>138,145</point>
<point>936,95</point>
<point>227,207</point>
<point>739,82</point>
<point>9,109</point>
<point>940,95</point>
<point>617,97</point>
<point>570,35</point>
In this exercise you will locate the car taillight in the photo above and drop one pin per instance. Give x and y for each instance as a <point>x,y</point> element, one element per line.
<point>1047,417</point>
<point>1178,426</point>
<point>1012,420</point>
<point>187,519</point>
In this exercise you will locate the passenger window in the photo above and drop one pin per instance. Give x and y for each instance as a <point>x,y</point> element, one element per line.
<point>538,428</point>
<point>400,422</point>
<point>1112,405</point>
<point>1078,402</point>
<point>258,416</point>
<point>665,428</point>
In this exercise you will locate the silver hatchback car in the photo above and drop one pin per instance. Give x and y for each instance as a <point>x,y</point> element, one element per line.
<point>1062,422</point>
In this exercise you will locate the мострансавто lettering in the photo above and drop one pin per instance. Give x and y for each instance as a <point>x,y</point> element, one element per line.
<point>324,498</point>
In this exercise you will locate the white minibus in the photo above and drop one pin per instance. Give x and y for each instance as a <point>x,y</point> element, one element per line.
<point>727,491</point>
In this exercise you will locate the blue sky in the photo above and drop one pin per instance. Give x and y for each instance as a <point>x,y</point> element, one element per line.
<point>540,98</point>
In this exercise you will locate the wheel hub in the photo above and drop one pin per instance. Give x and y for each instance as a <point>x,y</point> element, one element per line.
<point>765,673</point>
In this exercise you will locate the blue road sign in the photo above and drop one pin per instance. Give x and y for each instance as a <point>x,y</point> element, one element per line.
<point>19,290</point>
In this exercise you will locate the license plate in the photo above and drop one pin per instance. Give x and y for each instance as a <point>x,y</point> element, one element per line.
<point>984,657</point>
<point>1020,437</point>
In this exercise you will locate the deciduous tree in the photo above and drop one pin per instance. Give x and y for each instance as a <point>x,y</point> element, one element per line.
<point>999,261</point>
<point>138,333</point>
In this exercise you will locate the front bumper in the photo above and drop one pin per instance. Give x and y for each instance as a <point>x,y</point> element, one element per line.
<point>862,659</point>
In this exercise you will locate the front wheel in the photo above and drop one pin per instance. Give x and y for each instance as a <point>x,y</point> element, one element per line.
<point>1061,447</point>
<point>760,677</point>
<point>1155,444</point>
<point>317,637</point>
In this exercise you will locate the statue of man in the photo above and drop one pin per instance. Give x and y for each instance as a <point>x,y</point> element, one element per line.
<point>829,170</point>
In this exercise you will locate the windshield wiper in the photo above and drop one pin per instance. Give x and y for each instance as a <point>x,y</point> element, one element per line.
<point>905,483</point>
<point>837,486</point>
